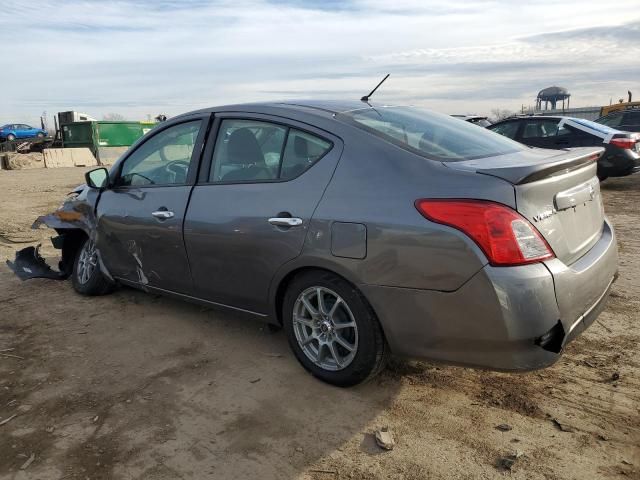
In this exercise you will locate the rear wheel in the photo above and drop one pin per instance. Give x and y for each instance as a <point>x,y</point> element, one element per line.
<point>11,137</point>
<point>332,329</point>
<point>87,279</point>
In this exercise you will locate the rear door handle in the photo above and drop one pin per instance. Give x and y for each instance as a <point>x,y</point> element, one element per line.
<point>163,214</point>
<point>285,221</point>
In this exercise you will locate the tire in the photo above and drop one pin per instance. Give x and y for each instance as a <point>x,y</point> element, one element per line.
<point>87,279</point>
<point>310,334</point>
<point>40,135</point>
<point>11,137</point>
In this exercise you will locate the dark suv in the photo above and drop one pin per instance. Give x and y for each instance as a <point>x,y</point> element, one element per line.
<point>625,120</point>
<point>622,149</point>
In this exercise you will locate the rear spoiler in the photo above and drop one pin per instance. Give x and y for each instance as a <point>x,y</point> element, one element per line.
<point>527,172</point>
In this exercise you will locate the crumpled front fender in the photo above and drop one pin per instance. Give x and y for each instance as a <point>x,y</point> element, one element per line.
<point>77,213</point>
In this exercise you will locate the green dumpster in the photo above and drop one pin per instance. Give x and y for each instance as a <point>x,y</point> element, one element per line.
<point>106,139</point>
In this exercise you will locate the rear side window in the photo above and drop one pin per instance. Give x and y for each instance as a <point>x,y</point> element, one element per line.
<point>257,151</point>
<point>540,129</point>
<point>508,129</point>
<point>429,134</point>
<point>302,151</point>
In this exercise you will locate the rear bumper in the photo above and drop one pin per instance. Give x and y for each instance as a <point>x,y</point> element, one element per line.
<point>580,286</point>
<point>514,318</point>
<point>619,163</point>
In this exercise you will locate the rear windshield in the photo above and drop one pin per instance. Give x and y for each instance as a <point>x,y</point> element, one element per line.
<point>598,127</point>
<point>483,122</point>
<point>432,135</point>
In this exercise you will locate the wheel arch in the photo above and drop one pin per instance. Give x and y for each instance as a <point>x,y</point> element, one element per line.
<point>285,278</point>
<point>68,241</point>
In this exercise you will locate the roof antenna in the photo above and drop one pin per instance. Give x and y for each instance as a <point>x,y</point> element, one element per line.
<point>366,97</point>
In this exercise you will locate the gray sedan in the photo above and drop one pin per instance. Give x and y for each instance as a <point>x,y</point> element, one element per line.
<point>361,230</point>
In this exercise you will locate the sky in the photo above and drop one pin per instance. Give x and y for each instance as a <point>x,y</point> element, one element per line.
<point>144,57</point>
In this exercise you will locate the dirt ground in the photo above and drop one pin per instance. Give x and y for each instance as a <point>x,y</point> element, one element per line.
<point>134,386</point>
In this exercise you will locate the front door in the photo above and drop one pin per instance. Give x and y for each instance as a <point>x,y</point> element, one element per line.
<point>250,212</point>
<point>140,217</point>
<point>23,131</point>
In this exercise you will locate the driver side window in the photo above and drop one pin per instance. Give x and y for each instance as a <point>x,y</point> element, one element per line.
<point>164,159</point>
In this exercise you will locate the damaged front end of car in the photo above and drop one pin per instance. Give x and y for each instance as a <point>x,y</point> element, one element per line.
<point>73,221</point>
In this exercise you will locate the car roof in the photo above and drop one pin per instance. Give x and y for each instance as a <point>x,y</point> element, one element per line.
<point>331,106</point>
<point>322,108</point>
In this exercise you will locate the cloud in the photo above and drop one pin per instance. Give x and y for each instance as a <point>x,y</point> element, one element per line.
<point>141,57</point>
<point>628,33</point>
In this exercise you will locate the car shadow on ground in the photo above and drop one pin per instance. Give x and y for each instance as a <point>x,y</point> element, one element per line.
<point>621,184</point>
<point>137,386</point>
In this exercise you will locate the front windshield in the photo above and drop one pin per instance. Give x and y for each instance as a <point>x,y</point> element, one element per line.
<point>432,135</point>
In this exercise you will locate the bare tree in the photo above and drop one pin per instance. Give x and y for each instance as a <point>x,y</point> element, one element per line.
<point>113,117</point>
<point>498,114</point>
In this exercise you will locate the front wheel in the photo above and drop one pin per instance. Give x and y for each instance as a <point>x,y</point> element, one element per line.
<point>40,135</point>
<point>11,137</point>
<point>87,279</point>
<point>332,329</point>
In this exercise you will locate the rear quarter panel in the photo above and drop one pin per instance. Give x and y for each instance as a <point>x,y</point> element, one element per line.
<point>376,184</point>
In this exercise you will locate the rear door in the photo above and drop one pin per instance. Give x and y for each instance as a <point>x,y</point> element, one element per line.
<point>23,131</point>
<point>140,217</point>
<point>250,211</point>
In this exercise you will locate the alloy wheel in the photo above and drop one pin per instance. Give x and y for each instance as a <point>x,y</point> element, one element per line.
<point>87,262</point>
<point>325,328</point>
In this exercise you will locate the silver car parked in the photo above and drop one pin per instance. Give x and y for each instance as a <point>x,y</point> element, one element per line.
<point>361,230</point>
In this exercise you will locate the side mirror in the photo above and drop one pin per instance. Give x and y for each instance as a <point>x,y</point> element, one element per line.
<point>97,178</point>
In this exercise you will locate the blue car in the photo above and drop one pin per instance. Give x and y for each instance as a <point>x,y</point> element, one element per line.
<point>13,131</point>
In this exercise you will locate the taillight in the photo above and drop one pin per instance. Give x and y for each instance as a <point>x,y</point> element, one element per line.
<point>505,236</point>
<point>628,143</point>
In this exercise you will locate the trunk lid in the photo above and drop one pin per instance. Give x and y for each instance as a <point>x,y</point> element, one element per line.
<point>556,190</point>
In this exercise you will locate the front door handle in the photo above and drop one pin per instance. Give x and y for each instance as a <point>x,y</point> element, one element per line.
<point>163,214</point>
<point>285,221</point>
